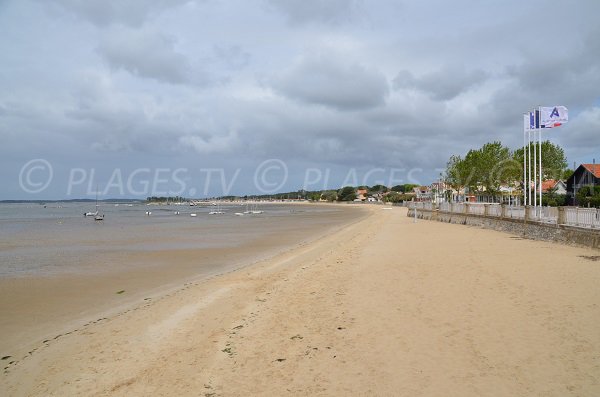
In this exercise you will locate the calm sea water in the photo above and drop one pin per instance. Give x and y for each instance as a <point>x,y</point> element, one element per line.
<point>57,238</point>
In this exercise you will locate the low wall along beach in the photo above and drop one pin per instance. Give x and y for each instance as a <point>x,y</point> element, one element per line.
<point>569,225</point>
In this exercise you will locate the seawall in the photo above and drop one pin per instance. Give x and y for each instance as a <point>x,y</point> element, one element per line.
<point>525,228</point>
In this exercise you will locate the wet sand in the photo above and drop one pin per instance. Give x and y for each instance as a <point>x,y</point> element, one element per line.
<point>381,307</point>
<point>138,263</point>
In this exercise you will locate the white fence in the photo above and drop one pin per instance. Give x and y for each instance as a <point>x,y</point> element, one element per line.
<point>582,217</point>
<point>515,212</point>
<point>573,216</point>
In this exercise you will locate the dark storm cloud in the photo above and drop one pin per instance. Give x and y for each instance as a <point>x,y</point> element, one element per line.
<point>334,82</point>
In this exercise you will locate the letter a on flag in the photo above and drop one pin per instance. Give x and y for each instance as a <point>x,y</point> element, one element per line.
<point>553,116</point>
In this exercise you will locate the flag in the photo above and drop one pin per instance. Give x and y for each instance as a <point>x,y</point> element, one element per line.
<point>526,125</point>
<point>553,116</point>
<point>531,121</point>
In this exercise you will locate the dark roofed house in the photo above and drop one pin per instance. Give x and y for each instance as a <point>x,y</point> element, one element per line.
<point>584,175</point>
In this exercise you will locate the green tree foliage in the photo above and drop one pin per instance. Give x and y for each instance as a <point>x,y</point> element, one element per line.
<point>396,197</point>
<point>330,195</point>
<point>554,162</point>
<point>407,187</point>
<point>494,165</point>
<point>566,173</point>
<point>378,189</point>
<point>347,193</point>
<point>483,169</point>
<point>589,196</point>
<point>457,172</point>
<point>314,196</point>
<point>552,199</point>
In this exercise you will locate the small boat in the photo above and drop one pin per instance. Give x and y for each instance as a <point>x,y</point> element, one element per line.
<point>193,215</point>
<point>219,211</point>
<point>239,214</point>
<point>97,215</point>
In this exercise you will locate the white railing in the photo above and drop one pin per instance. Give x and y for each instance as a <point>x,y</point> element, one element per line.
<point>495,210</point>
<point>582,217</point>
<point>515,212</point>
<point>458,208</point>
<point>476,209</point>
<point>549,214</point>
<point>573,216</point>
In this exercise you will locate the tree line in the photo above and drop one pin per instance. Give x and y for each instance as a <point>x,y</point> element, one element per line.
<point>485,170</point>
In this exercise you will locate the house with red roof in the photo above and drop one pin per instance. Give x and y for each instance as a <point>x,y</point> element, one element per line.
<point>584,175</point>
<point>361,194</point>
<point>559,187</point>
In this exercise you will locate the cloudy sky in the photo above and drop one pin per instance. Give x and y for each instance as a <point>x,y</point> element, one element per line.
<point>209,97</point>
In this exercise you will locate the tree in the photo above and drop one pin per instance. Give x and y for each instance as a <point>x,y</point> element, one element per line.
<point>314,196</point>
<point>553,199</point>
<point>347,193</point>
<point>484,169</point>
<point>496,166</point>
<point>566,173</point>
<point>378,189</point>
<point>330,195</point>
<point>396,197</point>
<point>407,187</point>
<point>554,162</point>
<point>455,174</point>
<point>589,196</point>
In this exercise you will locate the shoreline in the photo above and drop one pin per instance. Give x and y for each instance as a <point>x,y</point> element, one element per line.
<point>56,304</point>
<point>372,309</point>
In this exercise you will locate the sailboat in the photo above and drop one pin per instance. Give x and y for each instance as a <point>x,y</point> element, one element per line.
<point>97,215</point>
<point>255,210</point>
<point>218,211</point>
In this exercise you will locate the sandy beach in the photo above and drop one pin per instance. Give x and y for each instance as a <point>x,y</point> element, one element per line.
<point>381,306</point>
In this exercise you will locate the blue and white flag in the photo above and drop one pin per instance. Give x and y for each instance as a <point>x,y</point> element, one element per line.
<point>532,121</point>
<point>554,116</point>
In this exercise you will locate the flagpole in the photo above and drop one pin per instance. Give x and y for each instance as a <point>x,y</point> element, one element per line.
<point>529,168</point>
<point>540,142</point>
<point>535,169</point>
<point>525,158</point>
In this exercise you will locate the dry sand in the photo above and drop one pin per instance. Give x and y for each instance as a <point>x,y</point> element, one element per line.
<point>381,307</point>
